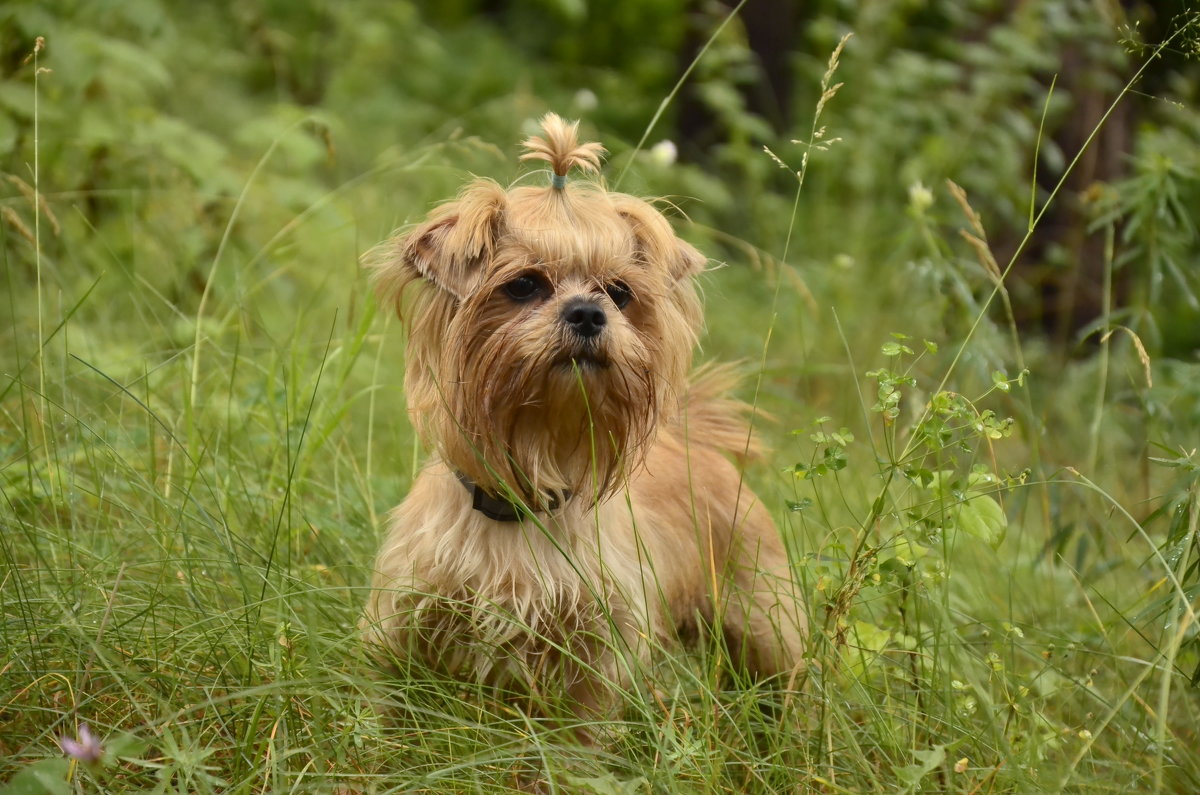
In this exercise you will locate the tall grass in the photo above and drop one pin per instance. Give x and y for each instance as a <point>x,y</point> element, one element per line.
<point>999,550</point>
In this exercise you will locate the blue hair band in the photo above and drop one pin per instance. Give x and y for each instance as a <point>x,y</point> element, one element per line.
<point>558,181</point>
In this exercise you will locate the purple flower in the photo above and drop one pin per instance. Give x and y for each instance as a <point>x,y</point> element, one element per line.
<point>86,748</point>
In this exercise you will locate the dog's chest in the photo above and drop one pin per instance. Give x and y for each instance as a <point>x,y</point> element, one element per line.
<point>512,601</point>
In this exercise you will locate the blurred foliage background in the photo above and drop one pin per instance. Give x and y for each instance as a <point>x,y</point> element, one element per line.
<point>252,152</point>
<point>153,116</point>
<point>353,117</point>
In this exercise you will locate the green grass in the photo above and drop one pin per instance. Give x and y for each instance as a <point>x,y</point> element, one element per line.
<point>202,426</point>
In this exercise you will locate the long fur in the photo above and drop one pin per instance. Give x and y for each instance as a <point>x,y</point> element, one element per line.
<point>641,526</point>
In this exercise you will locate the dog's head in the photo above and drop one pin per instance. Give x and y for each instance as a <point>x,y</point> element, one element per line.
<point>552,327</point>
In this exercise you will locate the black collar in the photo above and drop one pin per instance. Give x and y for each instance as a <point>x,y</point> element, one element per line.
<point>502,509</point>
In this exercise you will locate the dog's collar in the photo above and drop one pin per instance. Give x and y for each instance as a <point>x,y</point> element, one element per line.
<point>502,509</point>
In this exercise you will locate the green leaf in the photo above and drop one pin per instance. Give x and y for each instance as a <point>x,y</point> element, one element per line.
<point>927,762</point>
<point>941,482</point>
<point>608,784</point>
<point>983,518</point>
<point>869,637</point>
<point>877,507</point>
<point>47,777</point>
<point>124,745</point>
<point>980,478</point>
<point>907,552</point>
<point>835,458</point>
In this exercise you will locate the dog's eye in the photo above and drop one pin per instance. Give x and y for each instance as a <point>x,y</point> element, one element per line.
<point>525,288</point>
<point>620,294</point>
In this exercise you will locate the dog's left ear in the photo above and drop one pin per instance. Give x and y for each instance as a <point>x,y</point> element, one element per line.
<point>452,247</point>
<point>657,242</point>
<point>690,261</point>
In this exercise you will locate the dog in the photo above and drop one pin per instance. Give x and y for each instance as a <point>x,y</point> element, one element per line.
<point>580,508</point>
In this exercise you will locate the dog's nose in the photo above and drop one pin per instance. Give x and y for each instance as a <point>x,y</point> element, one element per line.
<point>586,318</point>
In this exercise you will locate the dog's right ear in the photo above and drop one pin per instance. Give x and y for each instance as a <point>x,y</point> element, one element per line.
<point>451,248</point>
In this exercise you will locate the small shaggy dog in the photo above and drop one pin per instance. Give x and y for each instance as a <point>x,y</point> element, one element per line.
<point>580,508</point>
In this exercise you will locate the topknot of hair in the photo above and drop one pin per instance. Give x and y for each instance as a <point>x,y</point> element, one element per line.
<point>561,148</point>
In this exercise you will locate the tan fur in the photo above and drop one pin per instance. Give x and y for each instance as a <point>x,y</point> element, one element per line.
<point>658,531</point>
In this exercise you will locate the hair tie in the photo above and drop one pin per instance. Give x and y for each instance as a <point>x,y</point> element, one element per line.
<point>558,181</point>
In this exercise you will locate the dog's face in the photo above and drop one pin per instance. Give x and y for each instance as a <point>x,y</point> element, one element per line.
<point>551,332</point>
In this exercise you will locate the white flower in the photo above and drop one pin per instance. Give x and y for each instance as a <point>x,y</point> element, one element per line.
<point>664,153</point>
<point>585,99</point>
<point>919,196</point>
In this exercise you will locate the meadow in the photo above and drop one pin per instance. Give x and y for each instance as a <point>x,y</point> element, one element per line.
<point>992,503</point>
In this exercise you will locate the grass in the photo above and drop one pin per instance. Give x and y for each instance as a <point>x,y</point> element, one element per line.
<point>195,460</point>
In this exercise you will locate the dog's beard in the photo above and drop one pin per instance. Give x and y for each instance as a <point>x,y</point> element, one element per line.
<point>539,410</point>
